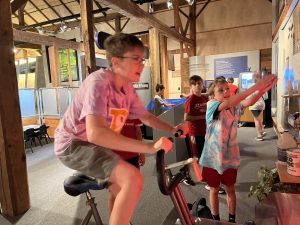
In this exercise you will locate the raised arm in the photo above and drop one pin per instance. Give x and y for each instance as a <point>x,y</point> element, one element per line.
<point>261,86</point>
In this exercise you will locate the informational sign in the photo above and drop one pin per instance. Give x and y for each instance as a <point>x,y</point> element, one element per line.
<point>230,67</point>
<point>141,86</point>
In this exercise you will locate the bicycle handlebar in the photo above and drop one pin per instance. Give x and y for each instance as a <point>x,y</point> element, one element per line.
<point>178,133</point>
<point>165,188</point>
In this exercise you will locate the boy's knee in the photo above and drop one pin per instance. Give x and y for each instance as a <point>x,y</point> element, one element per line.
<point>135,178</point>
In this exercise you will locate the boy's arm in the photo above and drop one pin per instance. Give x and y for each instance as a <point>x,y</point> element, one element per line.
<point>99,134</point>
<point>262,86</point>
<point>254,97</point>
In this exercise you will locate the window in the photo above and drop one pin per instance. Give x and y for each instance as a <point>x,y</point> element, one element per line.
<point>67,56</point>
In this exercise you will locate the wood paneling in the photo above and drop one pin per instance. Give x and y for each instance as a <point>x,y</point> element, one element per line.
<point>52,122</point>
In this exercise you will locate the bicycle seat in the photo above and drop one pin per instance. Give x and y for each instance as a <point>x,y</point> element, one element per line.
<point>79,183</point>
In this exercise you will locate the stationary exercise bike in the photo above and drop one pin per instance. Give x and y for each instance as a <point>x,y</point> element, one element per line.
<point>169,184</point>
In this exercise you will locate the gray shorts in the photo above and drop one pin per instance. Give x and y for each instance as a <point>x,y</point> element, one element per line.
<point>90,159</point>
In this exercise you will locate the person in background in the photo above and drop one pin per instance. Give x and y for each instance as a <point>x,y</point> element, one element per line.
<point>159,101</point>
<point>220,157</point>
<point>92,123</point>
<point>257,108</point>
<point>195,110</point>
<point>232,87</point>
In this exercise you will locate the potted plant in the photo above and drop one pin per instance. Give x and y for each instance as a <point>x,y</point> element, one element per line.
<point>269,182</point>
<point>279,203</point>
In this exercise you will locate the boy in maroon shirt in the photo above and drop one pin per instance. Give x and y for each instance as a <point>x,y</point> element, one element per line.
<point>195,110</point>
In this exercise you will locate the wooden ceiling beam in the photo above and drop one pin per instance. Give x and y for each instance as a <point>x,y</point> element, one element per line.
<point>16,4</point>
<point>131,10</point>
<point>35,38</point>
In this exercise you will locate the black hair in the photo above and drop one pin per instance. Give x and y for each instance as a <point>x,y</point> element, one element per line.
<point>159,87</point>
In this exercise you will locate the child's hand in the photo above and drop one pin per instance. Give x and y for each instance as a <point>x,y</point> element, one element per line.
<point>163,144</point>
<point>267,82</point>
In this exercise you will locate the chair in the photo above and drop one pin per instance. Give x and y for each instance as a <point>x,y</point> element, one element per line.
<point>42,133</point>
<point>29,136</point>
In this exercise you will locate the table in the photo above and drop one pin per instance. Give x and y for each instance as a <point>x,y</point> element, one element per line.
<point>284,176</point>
<point>34,126</point>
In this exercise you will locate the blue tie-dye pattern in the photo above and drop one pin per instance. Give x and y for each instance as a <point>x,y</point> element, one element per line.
<point>221,149</point>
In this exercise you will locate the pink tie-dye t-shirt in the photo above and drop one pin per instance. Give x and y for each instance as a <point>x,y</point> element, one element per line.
<point>97,96</point>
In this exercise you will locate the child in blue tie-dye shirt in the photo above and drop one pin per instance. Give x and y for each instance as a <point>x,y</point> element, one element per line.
<point>221,157</point>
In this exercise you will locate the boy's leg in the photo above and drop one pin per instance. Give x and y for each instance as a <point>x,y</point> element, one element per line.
<point>258,123</point>
<point>213,179</point>
<point>214,200</point>
<point>130,182</point>
<point>229,179</point>
<point>115,189</point>
<point>231,199</point>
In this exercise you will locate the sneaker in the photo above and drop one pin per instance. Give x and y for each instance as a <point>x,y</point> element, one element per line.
<point>221,190</point>
<point>264,133</point>
<point>207,187</point>
<point>178,222</point>
<point>188,181</point>
<point>259,138</point>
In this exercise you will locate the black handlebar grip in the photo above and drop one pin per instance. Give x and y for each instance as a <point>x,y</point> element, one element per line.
<point>178,133</point>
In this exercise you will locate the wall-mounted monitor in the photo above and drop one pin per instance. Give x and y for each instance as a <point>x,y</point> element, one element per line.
<point>245,80</point>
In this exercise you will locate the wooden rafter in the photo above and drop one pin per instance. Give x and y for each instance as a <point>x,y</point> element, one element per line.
<point>61,19</point>
<point>40,11</point>
<point>21,15</point>
<point>124,25</point>
<point>54,10</point>
<point>73,24</point>
<point>16,4</point>
<point>67,8</point>
<point>131,10</point>
<point>201,10</point>
<point>100,7</point>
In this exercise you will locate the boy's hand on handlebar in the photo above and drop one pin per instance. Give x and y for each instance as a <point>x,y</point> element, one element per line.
<point>163,144</point>
<point>182,127</point>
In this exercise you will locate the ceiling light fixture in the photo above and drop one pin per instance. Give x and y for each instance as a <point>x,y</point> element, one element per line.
<point>190,2</point>
<point>151,9</point>
<point>170,4</point>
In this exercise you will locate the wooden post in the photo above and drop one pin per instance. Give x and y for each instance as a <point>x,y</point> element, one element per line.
<point>88,35</point>
<point>154,58</point>
<point>54,66</point>
<point>193,27</point>
<point>164,63</point>
<point>14,192</point>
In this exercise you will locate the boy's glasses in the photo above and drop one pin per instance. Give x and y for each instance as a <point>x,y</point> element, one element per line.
<point>137,59</point>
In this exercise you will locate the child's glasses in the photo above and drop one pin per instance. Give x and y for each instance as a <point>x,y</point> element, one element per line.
<point>137,59</point>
